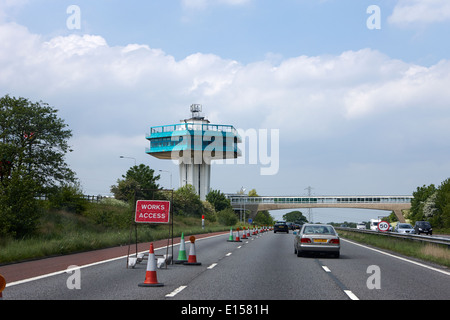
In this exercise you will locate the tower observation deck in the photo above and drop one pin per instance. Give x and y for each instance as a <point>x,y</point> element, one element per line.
<point>193,144</point>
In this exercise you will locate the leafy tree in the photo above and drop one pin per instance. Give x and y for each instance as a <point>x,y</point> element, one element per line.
<point>441,218</point>
<point>263,218</point>
<point>227,217</point>
<point>186,202</point>
<point>19,209</point>
<point>33,144</point>
<point>139,181</point>
<point>417,203</point>
<point>295,216</point>
<point>218,200</point>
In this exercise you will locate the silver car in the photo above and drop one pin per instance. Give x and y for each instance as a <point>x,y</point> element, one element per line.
<point>404,228</point>
<point>320,238</point>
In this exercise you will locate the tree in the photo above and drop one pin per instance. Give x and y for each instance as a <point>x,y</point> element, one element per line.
<point>218,200</point>
<point>417,203</point>
<point>139,182</point>
<point>263,218</point>
<point>441,217</point>
<point>33,142</point>
<point>186,202</point>
<point>295,216</point>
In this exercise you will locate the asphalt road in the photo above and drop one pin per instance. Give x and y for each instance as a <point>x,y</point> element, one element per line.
<point>260,268</point>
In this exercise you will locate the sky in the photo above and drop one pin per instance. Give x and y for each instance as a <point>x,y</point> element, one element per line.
<point>352,96</point>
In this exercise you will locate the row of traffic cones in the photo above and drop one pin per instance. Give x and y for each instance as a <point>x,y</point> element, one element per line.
<point>150,275</point>
<point>246,233</point>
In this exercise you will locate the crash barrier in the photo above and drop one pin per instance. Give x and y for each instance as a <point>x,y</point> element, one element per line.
<point>409,236</point>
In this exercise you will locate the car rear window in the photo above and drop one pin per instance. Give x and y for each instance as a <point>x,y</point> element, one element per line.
<point>319,229</point>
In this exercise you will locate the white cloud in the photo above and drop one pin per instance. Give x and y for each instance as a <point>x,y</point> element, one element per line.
<point>111,95</point>
<point>410,12</point>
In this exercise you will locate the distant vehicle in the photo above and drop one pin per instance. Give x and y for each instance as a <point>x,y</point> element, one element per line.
<point>361,226</point>
<point>280,226</point>
<point>319,238</point>
<point>404,228</point>
<point>374,224</point>
<point>290,225</point>
<point>423,227</point>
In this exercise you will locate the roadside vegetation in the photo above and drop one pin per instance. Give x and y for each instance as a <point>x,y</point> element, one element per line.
<point>434,253</point>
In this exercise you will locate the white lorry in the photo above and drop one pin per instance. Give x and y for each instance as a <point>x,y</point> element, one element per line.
<point>374,224</point>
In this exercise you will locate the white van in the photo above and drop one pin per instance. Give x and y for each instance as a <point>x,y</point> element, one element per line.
<point>374,224</point>
<point>361,226</point>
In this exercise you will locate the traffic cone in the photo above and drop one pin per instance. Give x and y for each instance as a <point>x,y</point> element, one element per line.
<point>230,239</point>
<point>182,252</point>
<point>237,236</point>
<point>150,274</point>
<point>2,286</point>
<point>248,233</point>
<point>192,259</point>
<point>244,236</point>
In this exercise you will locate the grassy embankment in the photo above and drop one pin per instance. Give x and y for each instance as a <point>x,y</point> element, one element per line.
<point>101,226</point>
<point>439,254</point>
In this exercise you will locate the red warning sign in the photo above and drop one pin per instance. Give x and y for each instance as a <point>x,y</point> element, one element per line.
<point>152,211</point>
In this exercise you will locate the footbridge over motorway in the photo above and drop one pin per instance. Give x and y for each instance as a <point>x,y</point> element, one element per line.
<point>255,204</point>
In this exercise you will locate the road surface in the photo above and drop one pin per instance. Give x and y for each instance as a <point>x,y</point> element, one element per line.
<point>260,268</point>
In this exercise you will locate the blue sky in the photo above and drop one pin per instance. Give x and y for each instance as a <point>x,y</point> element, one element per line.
<point>359,111</point>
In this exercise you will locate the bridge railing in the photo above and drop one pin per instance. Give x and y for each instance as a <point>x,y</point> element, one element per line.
<point>241,199</point>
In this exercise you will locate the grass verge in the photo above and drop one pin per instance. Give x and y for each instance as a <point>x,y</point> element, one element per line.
<point>435,253</point>
<point>64,233</point>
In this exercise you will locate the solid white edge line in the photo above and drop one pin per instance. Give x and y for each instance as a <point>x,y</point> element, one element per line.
<point>351,295</point>
<point>400,258</point>
<point>176,291</point>
<point>92,264</point>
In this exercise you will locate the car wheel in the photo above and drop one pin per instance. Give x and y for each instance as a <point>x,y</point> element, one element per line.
<point>299,253</point>
<point>295,249</point>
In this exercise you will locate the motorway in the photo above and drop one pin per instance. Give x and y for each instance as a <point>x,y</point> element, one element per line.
<point>263,267</point>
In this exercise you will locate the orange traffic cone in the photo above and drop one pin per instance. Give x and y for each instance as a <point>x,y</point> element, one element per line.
<point>2,286</point>
<point>150,275</point>
<point>192,258</point>
<point>244,236</point>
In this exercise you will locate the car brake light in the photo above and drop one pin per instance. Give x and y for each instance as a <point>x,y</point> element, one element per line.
<point>334,241</point>
<point>305,240</point>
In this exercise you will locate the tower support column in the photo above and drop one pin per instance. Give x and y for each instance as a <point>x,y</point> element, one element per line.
<point>197,175</point>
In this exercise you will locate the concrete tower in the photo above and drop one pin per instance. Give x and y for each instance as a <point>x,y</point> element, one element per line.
<point>193,144</point>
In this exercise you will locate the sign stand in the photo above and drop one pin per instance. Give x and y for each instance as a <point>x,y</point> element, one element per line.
<point>152,211</point>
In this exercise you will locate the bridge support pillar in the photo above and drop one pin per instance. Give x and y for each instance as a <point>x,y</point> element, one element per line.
<point>399,214</point>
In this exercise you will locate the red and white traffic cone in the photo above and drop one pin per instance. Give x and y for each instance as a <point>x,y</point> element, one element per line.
<point>244,236</point>
<point>150,274</point>
<point>248,233</point>
<point>237,236</point>
<point>2,286</point>
<point>192,258</point>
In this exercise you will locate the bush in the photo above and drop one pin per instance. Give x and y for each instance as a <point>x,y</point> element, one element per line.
<point>19,210</point>
<point>68,198</point>
<point>227,217</point>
